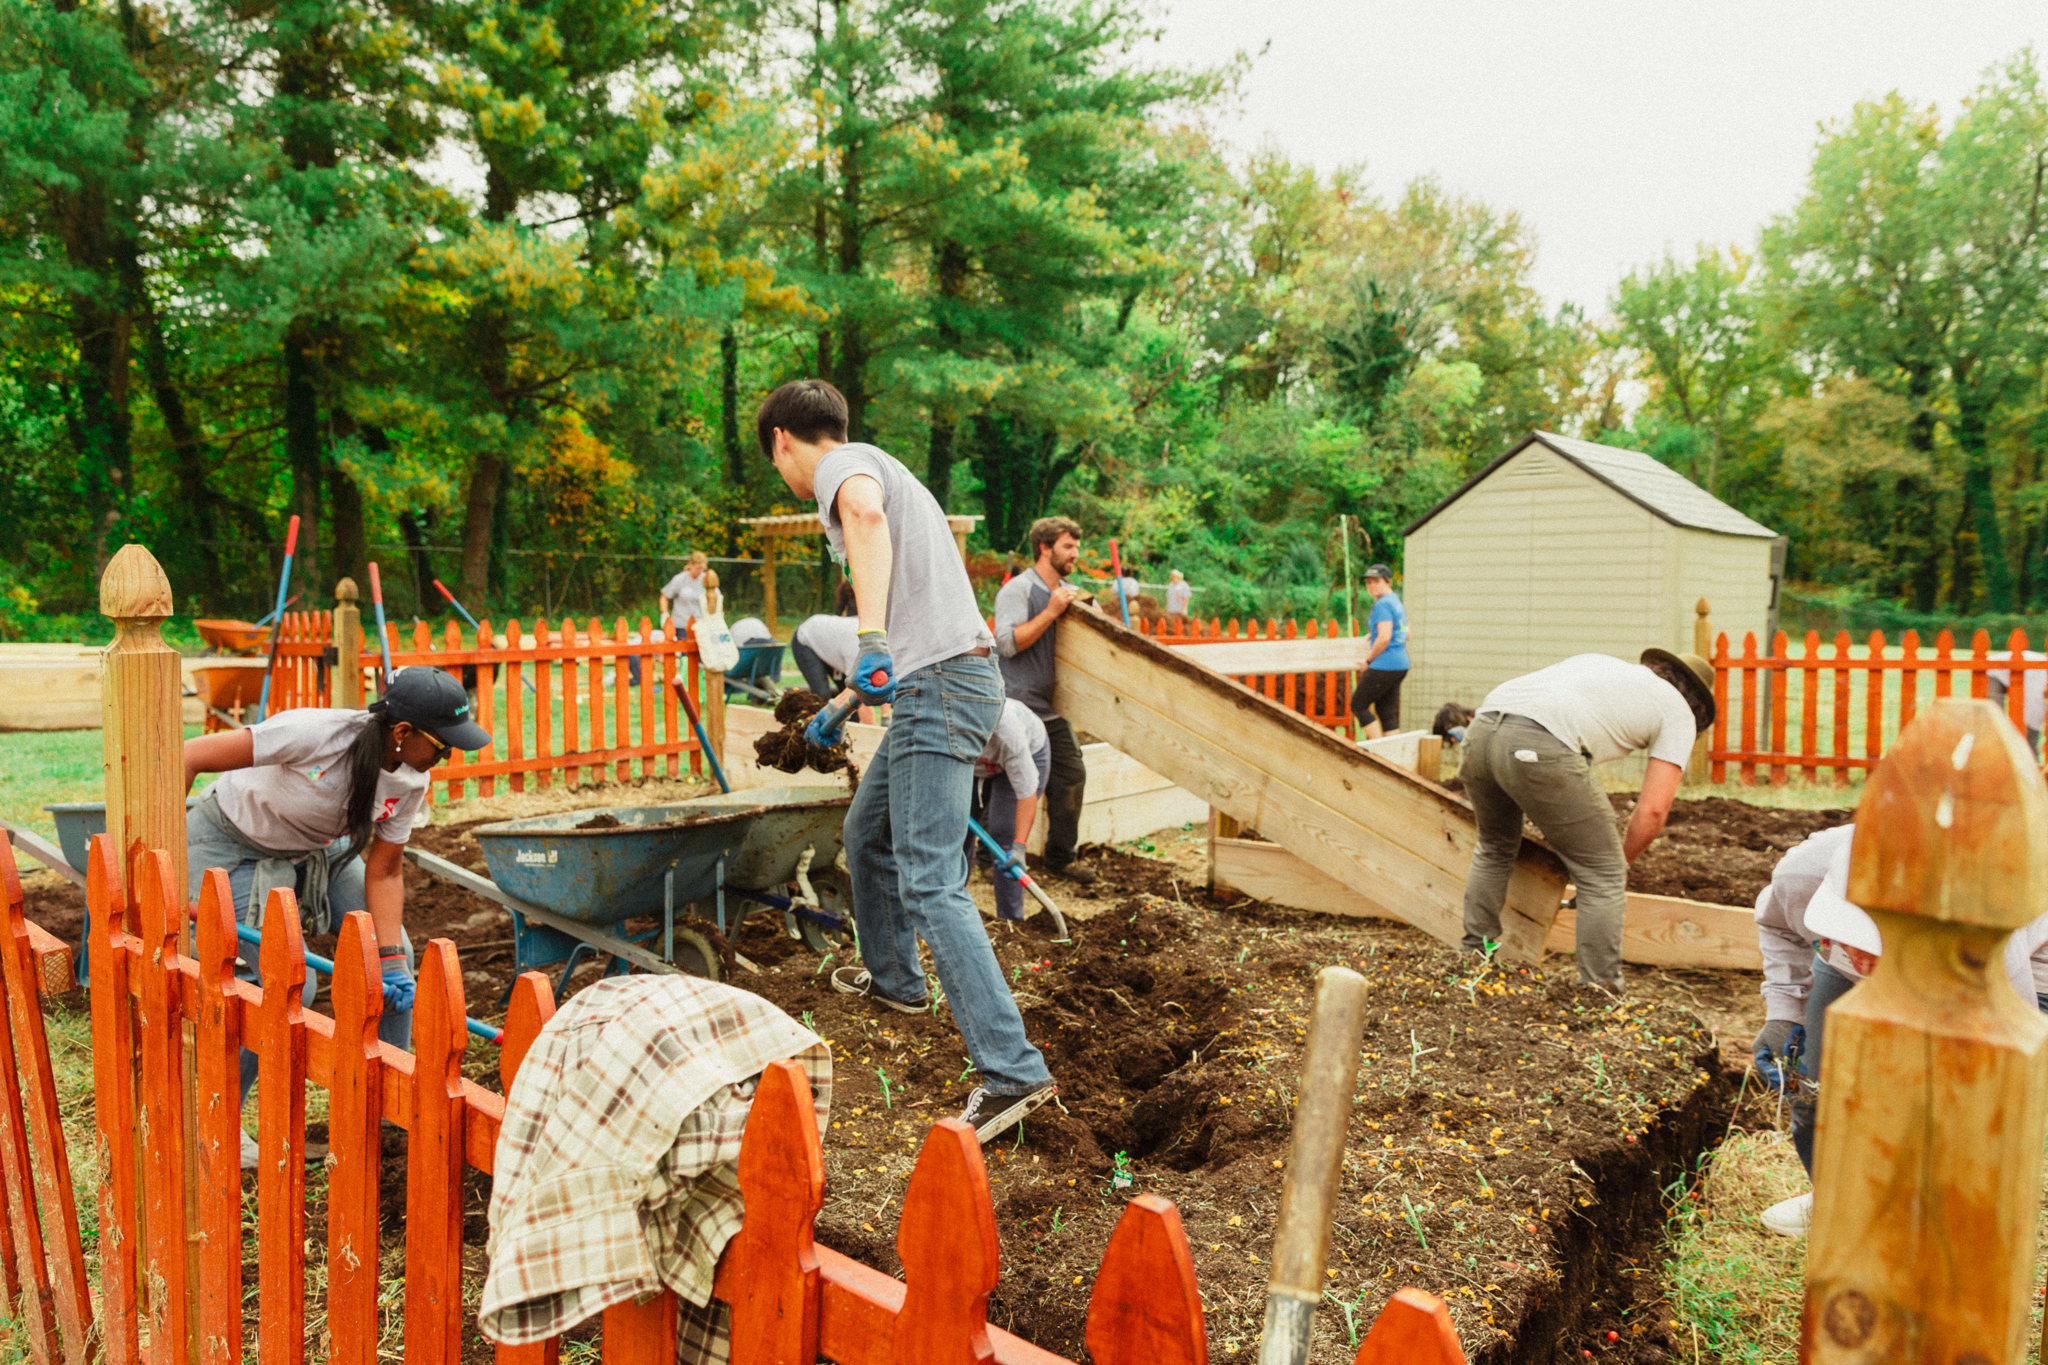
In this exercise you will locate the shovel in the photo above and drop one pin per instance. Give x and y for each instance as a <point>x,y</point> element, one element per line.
<point>1315,1165</point>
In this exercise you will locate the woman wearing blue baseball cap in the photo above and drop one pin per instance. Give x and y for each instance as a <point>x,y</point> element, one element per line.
<point>302,794</point>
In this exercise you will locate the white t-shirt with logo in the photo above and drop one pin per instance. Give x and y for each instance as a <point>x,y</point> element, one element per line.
<point>685,594</point>
<point>295,798</point>
<point>1601,706</point>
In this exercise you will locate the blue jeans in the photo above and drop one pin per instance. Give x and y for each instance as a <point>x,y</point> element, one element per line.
<point>996,804</point>
<point>206,847</point>
<point>905,844</point>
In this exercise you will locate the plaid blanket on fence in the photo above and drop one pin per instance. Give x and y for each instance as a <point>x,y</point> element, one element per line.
<point>617,1166</point>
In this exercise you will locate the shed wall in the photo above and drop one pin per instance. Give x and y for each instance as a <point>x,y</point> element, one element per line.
<point>1542,561</point>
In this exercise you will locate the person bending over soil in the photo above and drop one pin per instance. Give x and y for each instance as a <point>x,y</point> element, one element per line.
<point>1009,775</point>
<point>1530,753</point>
<point>301,795</point>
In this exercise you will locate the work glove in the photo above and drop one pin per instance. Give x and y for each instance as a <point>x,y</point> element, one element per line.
<point>826,729</point>
<point>1778,1047</point>
<point>874,672</point>
<point>1014,864</point>
<point>399,986</point>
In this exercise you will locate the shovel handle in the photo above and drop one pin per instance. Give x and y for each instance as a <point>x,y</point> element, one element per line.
<point>1315,1165</point>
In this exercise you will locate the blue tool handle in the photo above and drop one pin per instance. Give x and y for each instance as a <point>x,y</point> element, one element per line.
<point>682,688</point>
<point>383,640</point>
<point>284,583</point>
<point>463,612</point>
<point>325,966</point>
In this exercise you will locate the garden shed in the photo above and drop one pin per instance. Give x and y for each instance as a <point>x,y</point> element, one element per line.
<point>1564,547</point>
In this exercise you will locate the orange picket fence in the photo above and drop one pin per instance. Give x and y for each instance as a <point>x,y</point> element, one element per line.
<point>173,1239</point>
<point>543,696</point>
<point>1837,708</point>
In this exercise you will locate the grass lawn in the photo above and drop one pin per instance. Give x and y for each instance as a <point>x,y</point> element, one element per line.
<point>43,767</point>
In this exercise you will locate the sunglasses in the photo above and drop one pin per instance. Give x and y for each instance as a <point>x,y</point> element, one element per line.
<point>440,749</point>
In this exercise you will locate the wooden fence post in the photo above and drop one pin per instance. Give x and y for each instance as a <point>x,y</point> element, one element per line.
<point>947,1242</point>
<point>1933,1100</point>
<point>1145,1307</point>
<point>143,733</point>
<point>348,646</point>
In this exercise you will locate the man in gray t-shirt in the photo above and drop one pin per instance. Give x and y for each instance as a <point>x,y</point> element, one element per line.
<point>906,830</point>
<point>1028,610</point>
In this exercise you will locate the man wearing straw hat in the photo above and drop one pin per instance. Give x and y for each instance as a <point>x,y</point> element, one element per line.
<point>1529,754</point>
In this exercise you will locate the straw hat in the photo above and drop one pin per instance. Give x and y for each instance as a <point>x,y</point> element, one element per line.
<point>1690,666</point>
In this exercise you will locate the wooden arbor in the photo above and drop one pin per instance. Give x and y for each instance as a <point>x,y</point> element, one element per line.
<point>772,531</point>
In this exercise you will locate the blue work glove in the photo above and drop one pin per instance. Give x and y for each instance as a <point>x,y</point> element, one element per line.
<point>1778,1047</point>
<point>874,672</point>
<point>399,986</point>
<point>825,729</point>
<point>1014,864</point>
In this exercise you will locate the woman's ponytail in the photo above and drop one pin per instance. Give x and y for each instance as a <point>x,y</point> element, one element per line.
<point>365,765</point>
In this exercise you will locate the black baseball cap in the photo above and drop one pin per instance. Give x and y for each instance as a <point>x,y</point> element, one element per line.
<point>1380,571</point>
<point>433,701</point>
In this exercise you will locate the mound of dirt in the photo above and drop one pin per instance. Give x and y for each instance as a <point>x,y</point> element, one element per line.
<point>1719,850</point>
<point>786,750</point>
<point>601,822</point>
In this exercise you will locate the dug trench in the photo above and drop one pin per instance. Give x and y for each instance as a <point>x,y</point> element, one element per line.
<point>1510,1149</point>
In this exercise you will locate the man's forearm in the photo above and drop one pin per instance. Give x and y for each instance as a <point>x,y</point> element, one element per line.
<point>1027,815</point>
<point>1643,828</point>
<point>1029,632</point>
<point>869,555</point>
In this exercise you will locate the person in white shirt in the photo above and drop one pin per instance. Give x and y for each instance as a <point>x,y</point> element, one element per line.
<point>1178,591</point>
<point>1529,754</point>
<point>751,630</point>
<point>306,791</point>
<point>824,648</point>
<point>1008,776</point>
<point>682,597</point>
<point>2035,710</point>
<point>1817,944</point>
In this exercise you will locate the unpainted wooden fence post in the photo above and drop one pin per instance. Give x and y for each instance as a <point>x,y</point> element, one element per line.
<point>1933,1100</point>
<point>348,646</point>
<point>142,729</point>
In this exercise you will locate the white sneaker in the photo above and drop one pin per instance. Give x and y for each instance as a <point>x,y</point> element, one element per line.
<point>248,1151</point>
<point>1790,1217</point>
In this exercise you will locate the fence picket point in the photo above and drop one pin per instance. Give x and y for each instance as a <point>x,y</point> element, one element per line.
<point>433,1163</point>
<point>163,1106</point>
<point>1719,768</point>
<point>281,1136</point>
<point>1780,650</point>
<point>1145,1306</point>
<point>1414,1328</point>
<point>218,1064</point>
<point>113,1050</point>
<point>355,1109</point>
<point>1842,707</point>
<point>1809,704</point>
<point>769,1273</point>
<point>946,1240</point>
<point>1749,681</point>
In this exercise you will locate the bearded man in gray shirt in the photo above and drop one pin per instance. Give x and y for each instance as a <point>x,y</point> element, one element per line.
<point>1028,611</point>
<point>922,645</point>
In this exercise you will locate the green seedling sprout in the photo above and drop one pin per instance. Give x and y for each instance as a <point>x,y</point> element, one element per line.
<point>885,1088</point>
<point>1413,1220</point>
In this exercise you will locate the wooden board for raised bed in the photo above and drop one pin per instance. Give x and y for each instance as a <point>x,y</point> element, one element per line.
<point>1659,931</point>
<point>1358,819</point>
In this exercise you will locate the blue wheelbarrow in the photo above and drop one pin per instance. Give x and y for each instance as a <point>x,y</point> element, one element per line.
<point>571,881</point>
<point>787,862</point>
<point>758,673</point>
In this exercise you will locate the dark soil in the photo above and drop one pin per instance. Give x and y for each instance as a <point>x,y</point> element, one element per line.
<point>1510,1144</point>
<point>786,750</point>
<point>1721,850</point>
<point>600,822</point>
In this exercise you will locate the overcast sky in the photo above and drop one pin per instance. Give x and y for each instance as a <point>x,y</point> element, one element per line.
<point>1617,130</point>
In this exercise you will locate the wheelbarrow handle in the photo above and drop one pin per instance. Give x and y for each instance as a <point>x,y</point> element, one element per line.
<point>325,966</point>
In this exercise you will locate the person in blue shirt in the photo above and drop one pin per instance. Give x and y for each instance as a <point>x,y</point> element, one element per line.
<point>1376,704</point>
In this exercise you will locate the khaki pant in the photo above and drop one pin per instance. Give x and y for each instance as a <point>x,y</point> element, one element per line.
<point>1512,767</point>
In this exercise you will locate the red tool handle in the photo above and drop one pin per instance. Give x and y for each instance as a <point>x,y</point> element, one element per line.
<point>444,590</point>
<point>689,702</point>
<point>291,538</point>
<point>376,587</point>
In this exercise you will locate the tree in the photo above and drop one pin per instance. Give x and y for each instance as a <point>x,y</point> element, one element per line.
<point>1696,328</point>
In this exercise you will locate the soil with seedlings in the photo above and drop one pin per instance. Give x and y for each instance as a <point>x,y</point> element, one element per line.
<point>1509,1150</point>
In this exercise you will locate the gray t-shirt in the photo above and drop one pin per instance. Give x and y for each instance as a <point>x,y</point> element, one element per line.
<point>685,595</point>
<point>932,614</point>
<point>1013,748</point>
<point>1027,673</point>
<point>835,639</point>
<point>1601,706</point>
<point>295,798</point>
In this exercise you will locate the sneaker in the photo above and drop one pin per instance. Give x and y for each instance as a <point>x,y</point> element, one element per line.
<point>1790,1217</point>
<point>856,981</point>
<point>993,1114</point>
<point>248,1152</point>
<point>1078,873</point>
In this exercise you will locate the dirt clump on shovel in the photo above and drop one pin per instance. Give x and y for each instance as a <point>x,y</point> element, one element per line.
<point>786,750</point>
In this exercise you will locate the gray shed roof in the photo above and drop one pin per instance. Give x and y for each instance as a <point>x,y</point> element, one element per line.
<point>1657,487</point>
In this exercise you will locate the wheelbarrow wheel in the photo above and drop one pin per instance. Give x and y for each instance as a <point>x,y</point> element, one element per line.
<point>695,955</point>
<point>817,937</point>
